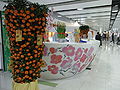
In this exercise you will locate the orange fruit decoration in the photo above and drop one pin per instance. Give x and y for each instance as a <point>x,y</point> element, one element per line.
<point>25,54</point>
<point>28,54</point>
<point>23,21</point>
<point>26,58</point>
<point>32,15</point>
<point>27,67</point>
<point>28,24</point>
<point>27,12</point>
<point>27,16</point>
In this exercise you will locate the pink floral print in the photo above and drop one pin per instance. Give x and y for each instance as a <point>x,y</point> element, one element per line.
<point>91,58</point>
<point>78,54</point>
<point>69,50</point>
<point>66,63</point>
<point>90,51</point>
<point>75,67</point>
<point>53,69</point>
<point>86,50</point>
<point>83,58</point>
<point>52,50</point>
<point>82,67</point>
<point>88,60</point>
<point>55,59</point>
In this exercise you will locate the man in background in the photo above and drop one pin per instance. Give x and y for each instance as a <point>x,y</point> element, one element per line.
<point>98,37</point>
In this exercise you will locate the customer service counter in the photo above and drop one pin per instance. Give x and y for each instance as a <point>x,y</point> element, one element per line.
<point>67,59</point>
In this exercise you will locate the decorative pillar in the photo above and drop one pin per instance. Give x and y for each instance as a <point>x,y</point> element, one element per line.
<point>26,24</point>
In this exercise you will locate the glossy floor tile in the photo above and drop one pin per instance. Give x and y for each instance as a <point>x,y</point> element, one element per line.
<point>104,75</point>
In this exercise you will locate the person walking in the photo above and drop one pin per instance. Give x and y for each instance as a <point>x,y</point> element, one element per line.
<point>118,40</point>
<point>107,36</point>
<point>104,36</point>
<point>113,38</point>
<point>98,37</point>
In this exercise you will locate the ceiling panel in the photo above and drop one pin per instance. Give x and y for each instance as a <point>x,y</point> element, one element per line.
<point>90,15</point>
<point>48,1</point>
<point>83,5</point>
<point>95,12</point>
<point>2,4</point>
<point>86,11</point>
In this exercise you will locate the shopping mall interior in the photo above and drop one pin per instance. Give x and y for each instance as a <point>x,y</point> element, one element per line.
<point>59,44</point>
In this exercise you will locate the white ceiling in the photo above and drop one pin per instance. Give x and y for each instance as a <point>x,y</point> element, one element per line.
<point>48,1</point>
<point>2,4</point>
<point>83,5</point>
<point>95,12</point>
<point>95,17</point>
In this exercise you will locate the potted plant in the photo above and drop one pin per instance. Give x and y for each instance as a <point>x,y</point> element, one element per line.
<point>61,29</point>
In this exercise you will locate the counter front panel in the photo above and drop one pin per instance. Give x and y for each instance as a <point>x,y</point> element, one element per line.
<point>67,59</point>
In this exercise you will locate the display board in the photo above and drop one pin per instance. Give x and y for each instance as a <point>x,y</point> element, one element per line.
<point>0,48</point>
<point>5,46</point>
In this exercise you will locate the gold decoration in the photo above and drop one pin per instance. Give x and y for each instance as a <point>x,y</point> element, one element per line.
<point>18,35</point>
<point>25,86</point>
<point>39,39</point>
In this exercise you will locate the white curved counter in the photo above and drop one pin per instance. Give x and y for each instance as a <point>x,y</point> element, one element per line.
<point>67,59</point>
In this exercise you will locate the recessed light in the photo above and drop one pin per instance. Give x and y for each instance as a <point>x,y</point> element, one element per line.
<point>59,16</point>
<point>79,9</point>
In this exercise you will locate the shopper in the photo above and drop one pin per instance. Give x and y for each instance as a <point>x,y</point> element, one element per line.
<point>98,37</point>
<point>107,36</point>
<point>113,38</point>
<point>90,36</point>
<point>104,36</point>
<point>118,40</point>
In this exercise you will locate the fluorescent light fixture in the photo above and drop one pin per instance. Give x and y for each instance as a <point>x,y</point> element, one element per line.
<point>79,9</point>
<point>94,21</point>
<point>59,16</point>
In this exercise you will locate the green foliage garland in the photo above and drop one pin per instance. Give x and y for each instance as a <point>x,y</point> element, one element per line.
<point>61,28</point>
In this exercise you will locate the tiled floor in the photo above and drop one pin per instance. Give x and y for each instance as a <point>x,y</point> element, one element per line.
<point>105,74</point>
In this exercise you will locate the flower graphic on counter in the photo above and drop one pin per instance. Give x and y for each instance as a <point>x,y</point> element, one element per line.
<point>91,58</point>
<point>69,50</point>
<point>45,51</point>
<point>86,50</point>
<point>66,63</point>
<point>75,67</point>
<point>55,59</point>
<point>52,50</point>
<point>78,54</point>
<point>90,51</point>
<point>83,58</point>
<point>82,67</point>
<point>53,69</point>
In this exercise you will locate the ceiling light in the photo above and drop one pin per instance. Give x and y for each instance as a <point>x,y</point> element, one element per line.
<point>93,20</point>
<point>79,9</point>
<point>59,16</point>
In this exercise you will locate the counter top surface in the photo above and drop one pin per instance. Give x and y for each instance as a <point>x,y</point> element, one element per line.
<point>88,42</point>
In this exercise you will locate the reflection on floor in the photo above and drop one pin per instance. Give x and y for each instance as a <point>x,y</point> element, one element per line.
<point>104,75</point>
